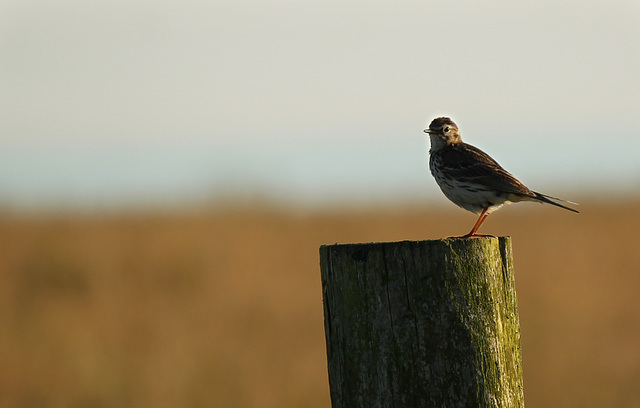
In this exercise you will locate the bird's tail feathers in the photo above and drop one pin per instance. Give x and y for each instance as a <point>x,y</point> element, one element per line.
<point>548,199</point>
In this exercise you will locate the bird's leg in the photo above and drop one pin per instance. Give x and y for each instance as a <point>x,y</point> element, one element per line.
<point>481,218</point>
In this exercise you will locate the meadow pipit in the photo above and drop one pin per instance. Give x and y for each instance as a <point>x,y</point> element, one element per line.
<point>471,179</point>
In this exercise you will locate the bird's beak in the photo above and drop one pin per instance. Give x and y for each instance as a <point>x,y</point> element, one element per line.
<point>429,131</point>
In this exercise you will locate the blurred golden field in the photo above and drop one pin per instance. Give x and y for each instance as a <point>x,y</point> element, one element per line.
<point>223,307</point>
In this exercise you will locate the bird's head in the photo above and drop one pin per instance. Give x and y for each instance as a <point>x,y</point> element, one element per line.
<point>443,132</point>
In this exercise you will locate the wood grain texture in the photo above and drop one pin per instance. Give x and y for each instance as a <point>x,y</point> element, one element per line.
<point>422,324</point>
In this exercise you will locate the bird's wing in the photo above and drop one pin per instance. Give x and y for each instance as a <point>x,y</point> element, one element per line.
<point>467,163</point>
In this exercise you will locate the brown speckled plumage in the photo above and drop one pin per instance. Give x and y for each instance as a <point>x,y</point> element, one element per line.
<point>470,178</point>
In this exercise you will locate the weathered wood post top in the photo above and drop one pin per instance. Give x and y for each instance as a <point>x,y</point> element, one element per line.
<point>422,324</point>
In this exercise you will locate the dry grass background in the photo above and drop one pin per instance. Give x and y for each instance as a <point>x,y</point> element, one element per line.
<point>223,308</point>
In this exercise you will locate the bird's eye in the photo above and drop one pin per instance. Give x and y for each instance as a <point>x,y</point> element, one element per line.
<point>446,129</point>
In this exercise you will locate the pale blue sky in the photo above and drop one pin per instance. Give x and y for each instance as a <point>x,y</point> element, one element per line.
<point>127,102</point>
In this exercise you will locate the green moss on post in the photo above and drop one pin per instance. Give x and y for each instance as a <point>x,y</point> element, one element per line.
<point>422,324</point>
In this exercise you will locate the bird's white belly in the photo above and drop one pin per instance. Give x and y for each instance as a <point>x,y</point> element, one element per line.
<point>471,197</point>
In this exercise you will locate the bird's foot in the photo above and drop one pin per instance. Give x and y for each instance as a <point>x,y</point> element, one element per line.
<point>470,235</point>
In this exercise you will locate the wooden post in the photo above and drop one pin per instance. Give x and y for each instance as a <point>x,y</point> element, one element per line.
<point>422,324</point>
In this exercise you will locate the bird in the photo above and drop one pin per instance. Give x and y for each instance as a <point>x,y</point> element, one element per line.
<point>471,179</point>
